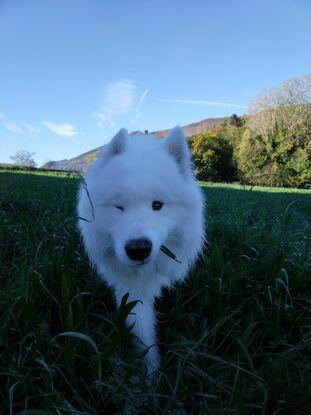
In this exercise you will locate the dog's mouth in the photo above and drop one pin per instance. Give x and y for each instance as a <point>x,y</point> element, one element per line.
<point>165,250</point>
<point>144,262</point>
<point>150,259</point>
<point>139,264</point>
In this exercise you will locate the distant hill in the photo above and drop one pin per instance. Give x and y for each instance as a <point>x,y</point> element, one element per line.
<point>81,162</point>
<point>78,163</point>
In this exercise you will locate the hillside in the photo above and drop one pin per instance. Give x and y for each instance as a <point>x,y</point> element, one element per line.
<point>80,163</point>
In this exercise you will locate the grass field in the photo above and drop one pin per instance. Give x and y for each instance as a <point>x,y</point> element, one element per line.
<point>235,339</point>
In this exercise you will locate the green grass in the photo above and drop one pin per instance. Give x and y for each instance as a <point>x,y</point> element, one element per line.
<point>235,338</point>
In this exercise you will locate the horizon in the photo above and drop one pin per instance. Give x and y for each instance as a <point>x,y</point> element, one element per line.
<point>74,73</point>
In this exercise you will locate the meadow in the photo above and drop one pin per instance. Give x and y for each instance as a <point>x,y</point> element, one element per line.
<point>235,338</point>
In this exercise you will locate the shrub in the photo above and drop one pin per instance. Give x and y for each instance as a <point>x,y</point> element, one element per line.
<point>213,155</point>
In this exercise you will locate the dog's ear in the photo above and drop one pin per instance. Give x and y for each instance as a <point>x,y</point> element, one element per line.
<point>116,146</point>
<point>177,146</point>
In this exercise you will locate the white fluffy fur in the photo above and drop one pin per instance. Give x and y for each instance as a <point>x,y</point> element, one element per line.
<point>132,172</point>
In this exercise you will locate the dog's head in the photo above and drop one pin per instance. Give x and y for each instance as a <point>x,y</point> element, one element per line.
<point>142,189</point>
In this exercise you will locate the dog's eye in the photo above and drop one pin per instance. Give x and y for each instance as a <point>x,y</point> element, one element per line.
<point>156,205</point>
<point>120,207</point>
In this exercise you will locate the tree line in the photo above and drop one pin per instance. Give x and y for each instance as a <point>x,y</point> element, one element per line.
<point>270,145</point>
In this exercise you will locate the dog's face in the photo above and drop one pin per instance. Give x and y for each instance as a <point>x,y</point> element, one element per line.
<point>138,224</point>
<point>140,195</point>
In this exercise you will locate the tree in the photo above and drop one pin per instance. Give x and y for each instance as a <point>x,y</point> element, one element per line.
<point>213,154</point>
<point>236,121</point>
<point>276,145</point>
<point>23,158</point>
<point>287,106</point>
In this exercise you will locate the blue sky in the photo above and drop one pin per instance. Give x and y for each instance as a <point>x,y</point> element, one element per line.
<point>73,72</point>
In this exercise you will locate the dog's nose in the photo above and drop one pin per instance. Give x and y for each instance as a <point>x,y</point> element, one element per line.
<point>138,249</point>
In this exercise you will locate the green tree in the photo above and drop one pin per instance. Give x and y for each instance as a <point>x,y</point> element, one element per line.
<point>275,147</point>
<point>213,155</point>
<point>236,121</point>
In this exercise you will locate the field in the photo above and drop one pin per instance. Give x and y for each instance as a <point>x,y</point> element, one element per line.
<point>235,339</point>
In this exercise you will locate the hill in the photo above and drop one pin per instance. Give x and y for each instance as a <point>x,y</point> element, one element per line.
<point>80,163</point>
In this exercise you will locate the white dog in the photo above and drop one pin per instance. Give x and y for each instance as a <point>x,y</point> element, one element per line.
<point>141,203</point>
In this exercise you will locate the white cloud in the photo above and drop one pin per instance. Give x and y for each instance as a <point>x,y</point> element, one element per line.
<point>30,128</point>
<point>203,102</point>
<point>18,128</point>
<point>15,128</point>
<point>66,130</point>
<point>119,99</point>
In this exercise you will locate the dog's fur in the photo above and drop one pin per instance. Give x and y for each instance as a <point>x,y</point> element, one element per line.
<point>132,172</point>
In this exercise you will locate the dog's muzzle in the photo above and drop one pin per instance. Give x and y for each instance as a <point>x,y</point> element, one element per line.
<point>138,249</point>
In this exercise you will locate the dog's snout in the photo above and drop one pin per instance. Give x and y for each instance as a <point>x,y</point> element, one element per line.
<point>138,249</point>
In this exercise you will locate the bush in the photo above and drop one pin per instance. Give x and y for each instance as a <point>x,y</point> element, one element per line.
<point>276,146</point>
<point>213,155</point>
<point>280,158</point>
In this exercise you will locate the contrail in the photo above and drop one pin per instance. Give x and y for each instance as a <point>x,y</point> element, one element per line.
<point>202,102</point>
<point>141,99</point>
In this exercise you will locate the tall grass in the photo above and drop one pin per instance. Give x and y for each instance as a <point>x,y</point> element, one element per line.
<point>235,338</point>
